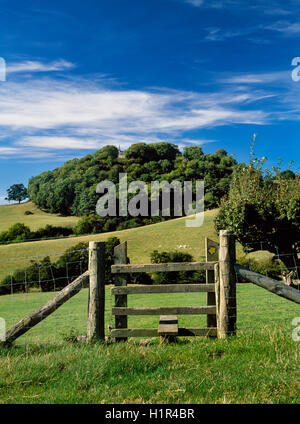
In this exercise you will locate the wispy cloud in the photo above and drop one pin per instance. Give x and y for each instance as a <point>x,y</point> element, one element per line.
<point>285,27</point>
<point>41,118</point>
<point>196,3</point>
<point>258,78</point>
<point>58,143</point>
<point>35,66</point>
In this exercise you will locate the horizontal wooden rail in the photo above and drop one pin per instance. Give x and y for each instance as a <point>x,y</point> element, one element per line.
<point>164,288</point>
<point>152,332</point>
<point>170,310</point>
<point>274,286</point>
<point>169,267</point>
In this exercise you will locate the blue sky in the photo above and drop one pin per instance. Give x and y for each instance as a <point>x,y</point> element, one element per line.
<point>80,75</point>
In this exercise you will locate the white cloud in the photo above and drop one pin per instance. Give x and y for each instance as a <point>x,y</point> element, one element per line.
<point>196,3</point>
<point>285,27</point>
<point>34,66</point>
<point>57,143</point>
<point>259,78</point>
<point>41,117</point>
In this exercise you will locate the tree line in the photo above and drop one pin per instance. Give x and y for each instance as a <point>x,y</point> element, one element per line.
<point>71,188</point>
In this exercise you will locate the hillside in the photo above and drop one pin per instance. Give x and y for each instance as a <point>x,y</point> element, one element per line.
<point>10,214</point>
<point>141,242</point>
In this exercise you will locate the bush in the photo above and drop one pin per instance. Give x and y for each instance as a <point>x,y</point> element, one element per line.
<point>270,267</point>
<point>51,231</point>
<point>91,224</point>
<point>28,213</point>
<point>175,277</point>
<point>18,231</point>
<point>5,285</point>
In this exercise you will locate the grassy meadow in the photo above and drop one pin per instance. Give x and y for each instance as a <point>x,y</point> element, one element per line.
<point>141,242</point>
<point>260,365</point>
<point>10,214</point>
<point>46,365</point>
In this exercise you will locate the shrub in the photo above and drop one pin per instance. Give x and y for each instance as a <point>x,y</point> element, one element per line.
<point>175,277</point>
<point>5,285</point>
<point>18,231</point>
<point>270,267</point>
<point>28,213</point>
<point>91,224</point>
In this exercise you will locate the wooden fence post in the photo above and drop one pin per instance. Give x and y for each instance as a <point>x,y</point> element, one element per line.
<point>120,257</point>
<point>96,327</point>
<point>211,254</point>
<point>227,293</point>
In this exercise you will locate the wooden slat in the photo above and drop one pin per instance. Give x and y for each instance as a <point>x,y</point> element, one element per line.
<point>120,257</point>
<point>211,254</point>
<point>172,310</point>
<point>179,266</point>
<point>165,288</point>
<point>152,332</point>
<point>168,325</point>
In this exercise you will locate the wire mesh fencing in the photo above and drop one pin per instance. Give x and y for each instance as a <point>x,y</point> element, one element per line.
<point>257,308</point>
<point>33,283</point>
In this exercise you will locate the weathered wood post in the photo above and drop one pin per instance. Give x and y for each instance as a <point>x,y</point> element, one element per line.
<point>211,255</point>
<point>96,325</point>
<point>227,289</point>
<point>120,257</point>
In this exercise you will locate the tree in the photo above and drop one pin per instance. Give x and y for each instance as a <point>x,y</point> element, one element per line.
<point>263,207</point>
<point>16,192</point>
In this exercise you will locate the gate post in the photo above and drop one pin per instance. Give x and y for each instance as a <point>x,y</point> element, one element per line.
<point>227,293</point>
<point>96,327</point>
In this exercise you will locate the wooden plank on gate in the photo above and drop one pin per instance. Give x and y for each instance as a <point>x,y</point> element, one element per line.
<point>168,325</point>
<point>120,257</point>
<point>172,310</point>
<point>164,288</point>
<point>211,254</point>
<point>152,332</point>
<point>168,267</point>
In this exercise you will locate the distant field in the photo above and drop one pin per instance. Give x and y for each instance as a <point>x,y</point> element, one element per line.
<point>141,242</point>
<point>10,214</point>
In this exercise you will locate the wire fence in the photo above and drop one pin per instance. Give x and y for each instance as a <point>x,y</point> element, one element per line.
<point>35,283</point>
<point>258,309</point>
<point>28,287</point>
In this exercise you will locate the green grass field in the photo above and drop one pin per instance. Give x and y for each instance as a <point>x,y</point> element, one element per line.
<point>260,365</point>
<point>10,214</point>
<point>141,242</point>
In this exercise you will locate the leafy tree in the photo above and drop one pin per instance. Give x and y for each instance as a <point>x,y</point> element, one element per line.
<point>16,192</point>
<point>18,231</point>
<point>192,152</point>
<point>263,207</point>
<point>91,224</point>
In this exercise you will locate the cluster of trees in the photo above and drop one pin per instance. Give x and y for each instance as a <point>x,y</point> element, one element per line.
<point>71,189</point>
<point>21,232</point>
<point>264,206</point>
